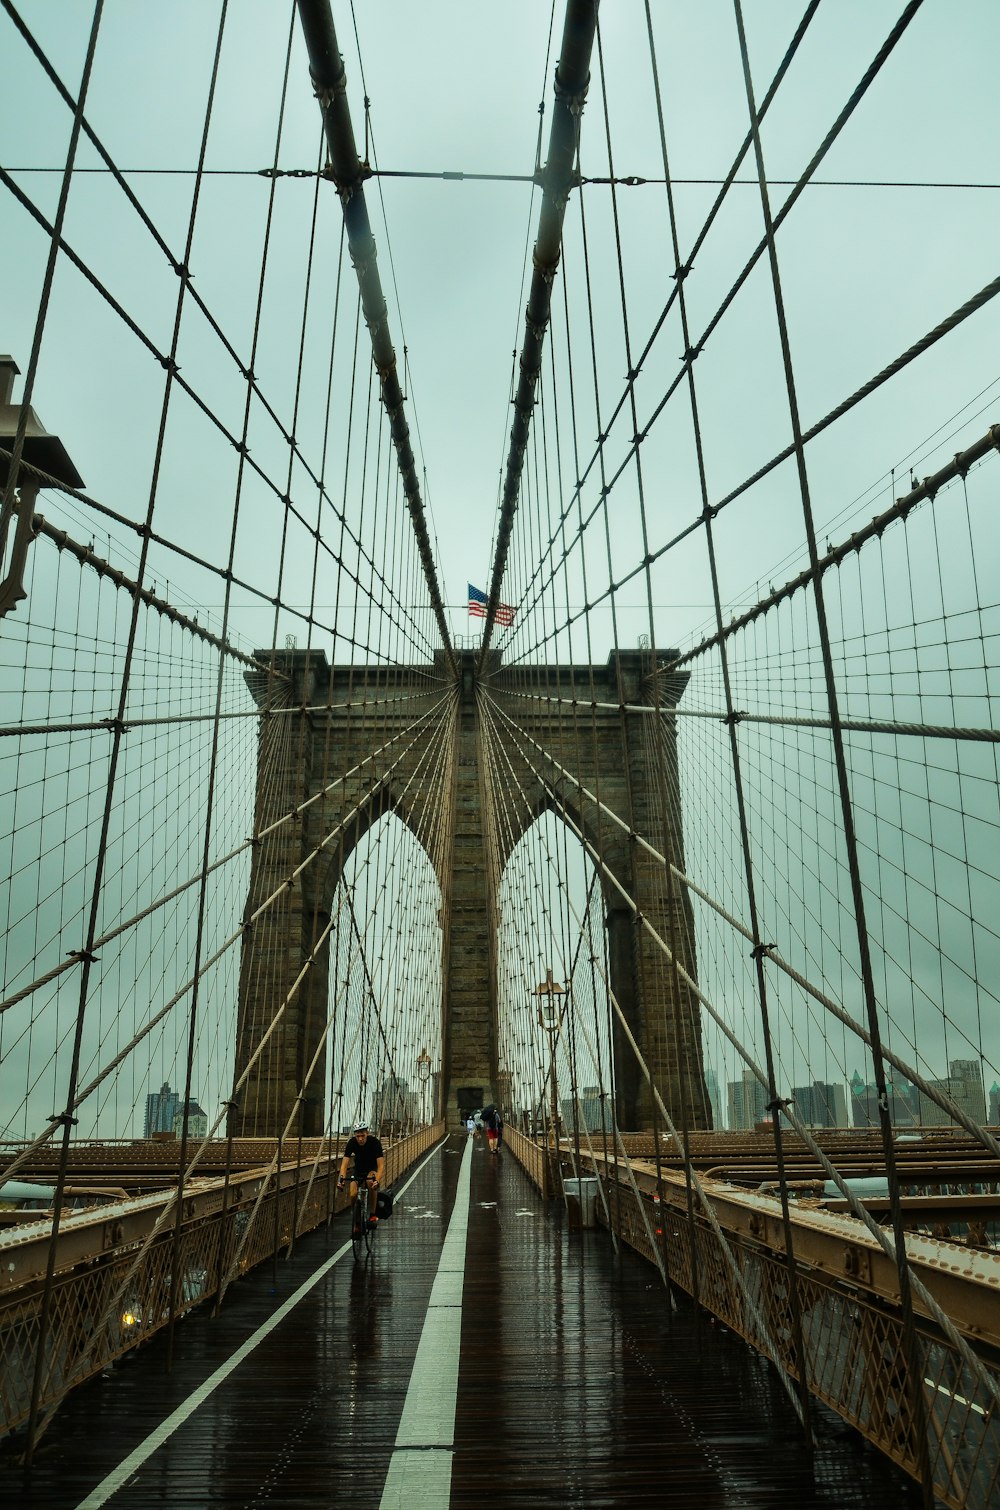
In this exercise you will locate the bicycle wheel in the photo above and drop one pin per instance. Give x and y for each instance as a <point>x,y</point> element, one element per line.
<point>370,1235</point>
<point>359,1232</point>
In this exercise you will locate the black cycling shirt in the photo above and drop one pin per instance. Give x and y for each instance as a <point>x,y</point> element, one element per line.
<point>366,1156</point>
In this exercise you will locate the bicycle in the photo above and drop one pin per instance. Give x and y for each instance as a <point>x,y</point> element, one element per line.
<point>363,1234</point>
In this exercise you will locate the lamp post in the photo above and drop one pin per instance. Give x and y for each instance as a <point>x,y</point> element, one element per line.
<point>423,1075</point>
<point>23,437</point>
<point>549,1018</point>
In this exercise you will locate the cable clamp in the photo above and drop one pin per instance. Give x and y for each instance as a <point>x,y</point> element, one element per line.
<point>545,270</point>
<point>691,354</point>
<point>574,103</point>
<point>63,1119</point>
<point>114,725</point>
<point>85,956</point>
<point>780,1104</point>
<point>682,271</point>
<point>734,718</point>
<point>168,364</point>
<point>762,951</point>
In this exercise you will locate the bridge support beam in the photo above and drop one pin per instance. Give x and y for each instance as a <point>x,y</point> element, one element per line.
<point>285,960</point>
<point>470,977</point>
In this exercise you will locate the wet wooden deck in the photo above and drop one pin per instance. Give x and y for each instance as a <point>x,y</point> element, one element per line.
<point>576,1385</point>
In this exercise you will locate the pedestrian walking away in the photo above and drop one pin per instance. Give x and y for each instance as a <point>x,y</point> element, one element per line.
<point>493,1122</point>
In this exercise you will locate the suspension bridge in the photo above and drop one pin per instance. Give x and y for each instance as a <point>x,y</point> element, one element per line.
<point>498,606</point>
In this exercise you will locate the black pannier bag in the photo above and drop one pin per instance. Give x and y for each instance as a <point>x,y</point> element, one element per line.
<point>383,1204</point>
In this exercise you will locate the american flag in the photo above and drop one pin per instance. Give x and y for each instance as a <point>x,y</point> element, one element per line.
<point>477,607</point>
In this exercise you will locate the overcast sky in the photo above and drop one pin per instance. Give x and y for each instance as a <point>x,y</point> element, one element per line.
<point>866,270</point>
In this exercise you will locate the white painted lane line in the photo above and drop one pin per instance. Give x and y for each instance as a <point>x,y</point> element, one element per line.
<point>428,1418</point>
<point>418,1481</point>
<point>130,1465</point>
<point>420,1468</point>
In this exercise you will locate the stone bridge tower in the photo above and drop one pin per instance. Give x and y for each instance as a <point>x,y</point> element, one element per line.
<point>591,741</point>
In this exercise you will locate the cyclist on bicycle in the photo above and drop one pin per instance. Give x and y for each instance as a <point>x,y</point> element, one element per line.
<point>369,1165</point>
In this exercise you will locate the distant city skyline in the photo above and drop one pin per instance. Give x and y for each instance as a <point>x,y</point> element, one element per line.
<point>854,1103</point>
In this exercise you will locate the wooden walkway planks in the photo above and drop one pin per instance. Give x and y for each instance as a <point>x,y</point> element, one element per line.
<point>576,1385</point>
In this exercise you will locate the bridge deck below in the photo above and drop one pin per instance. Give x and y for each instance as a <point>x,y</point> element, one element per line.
<point>552,1374</point>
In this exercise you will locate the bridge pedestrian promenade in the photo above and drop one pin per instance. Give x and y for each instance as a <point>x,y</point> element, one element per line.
<point>483,1356</point>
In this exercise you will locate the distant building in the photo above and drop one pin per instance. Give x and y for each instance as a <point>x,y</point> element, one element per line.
<point>592,1111</point>
<point>161,1108</point>
<point>995,1104</point>
<point>197,1120</point>
<point>747,1102</point>
<point>904,1102</point>
<point>964,1084</point>
<point>821,1104</point>
<point>395,1104</point>
<point>714,1095</point>
<point>973,1099</point>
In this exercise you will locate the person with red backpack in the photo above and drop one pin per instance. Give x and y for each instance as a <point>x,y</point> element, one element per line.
<point>493,1123</point>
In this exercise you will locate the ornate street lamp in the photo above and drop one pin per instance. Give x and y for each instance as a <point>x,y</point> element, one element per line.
<point>423,1075</point>
<point>549,1018</point>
